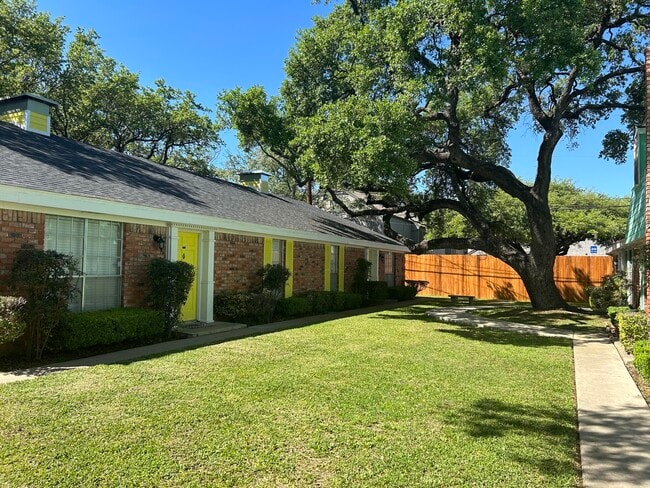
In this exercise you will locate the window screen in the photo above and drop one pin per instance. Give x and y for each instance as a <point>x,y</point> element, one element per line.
<point>97,247</point>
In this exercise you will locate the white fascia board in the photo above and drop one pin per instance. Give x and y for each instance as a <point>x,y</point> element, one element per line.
<point>16,198</point>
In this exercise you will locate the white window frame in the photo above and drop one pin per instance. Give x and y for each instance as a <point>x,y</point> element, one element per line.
<point>81,278</point>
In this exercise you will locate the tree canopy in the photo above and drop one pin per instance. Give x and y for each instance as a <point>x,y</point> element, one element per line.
<point>101,101</point>
<point>578,215</point>
<point>411,102</point>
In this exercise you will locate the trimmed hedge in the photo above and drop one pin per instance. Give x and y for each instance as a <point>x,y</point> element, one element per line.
<point>318,302</point>
<point>642,358</point>
<point>377,291</point>
<point>633,327</point>
<point>246,307</point>
<point>293,307</point>
<point>401,293</point>
<point>103,327</point>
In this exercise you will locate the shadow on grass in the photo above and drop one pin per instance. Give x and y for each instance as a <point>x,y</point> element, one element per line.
<point>507,337</point>
<point>488,417</point>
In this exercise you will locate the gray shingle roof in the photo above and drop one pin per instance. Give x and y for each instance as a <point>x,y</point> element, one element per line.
<point>59,165</point>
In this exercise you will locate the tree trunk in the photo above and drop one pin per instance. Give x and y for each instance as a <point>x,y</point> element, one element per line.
<point>540,284</point>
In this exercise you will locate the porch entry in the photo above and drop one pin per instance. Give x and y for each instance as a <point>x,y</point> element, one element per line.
<point>188,251</point>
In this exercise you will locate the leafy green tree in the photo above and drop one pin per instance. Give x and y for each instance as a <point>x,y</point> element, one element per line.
<point>266,135</point>
<point>578,214</point>
<point>411,102</point>
<point>45,279</point>
<point>30,48</point>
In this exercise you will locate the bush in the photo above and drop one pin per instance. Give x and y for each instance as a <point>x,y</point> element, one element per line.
<point>377,291</point>
<point>361,276</point>
<point>611,293</point>
<point>633,327</point>
<point>103,327</point>
<point>420,285</point>
<point>274,277</point>
<point>642,358</point>
<point>170,284</point>
<point>321,301</point>
<point>46,280</point>
<point>245,307</point>
<point>612,313</point>
<point>11,327</point>
<point>401,293</point>
<point>353,300</point>
<point>294,307</point>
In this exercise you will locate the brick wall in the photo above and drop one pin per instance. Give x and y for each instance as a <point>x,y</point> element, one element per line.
<point>138,249</point>
<point>18,230</point>
<point>308,267</point>
<point>352,254</point>
<point>236,260</point>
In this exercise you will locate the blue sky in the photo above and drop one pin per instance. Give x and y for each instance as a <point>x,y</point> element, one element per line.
<point>208,47</point>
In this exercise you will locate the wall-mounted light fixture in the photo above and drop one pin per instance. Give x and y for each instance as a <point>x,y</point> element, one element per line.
<point>160,241</point>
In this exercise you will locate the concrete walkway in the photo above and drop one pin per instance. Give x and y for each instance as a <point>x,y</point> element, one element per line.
<point>613,417</point>
<point>138,353</point>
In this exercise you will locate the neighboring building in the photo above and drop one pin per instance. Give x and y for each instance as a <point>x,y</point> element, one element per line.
<point>625,253</point>
<point>114,213</point>
<point>628,253</point>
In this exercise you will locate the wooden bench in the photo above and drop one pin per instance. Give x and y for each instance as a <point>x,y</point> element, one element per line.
<point>458,299</point>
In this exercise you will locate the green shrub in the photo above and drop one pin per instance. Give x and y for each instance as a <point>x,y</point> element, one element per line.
<point>11,327</point>
<point>611,293</point>
<point>321,301</point>
<point>642,358</point>
<point>361,276</point>
<point>401,293</point>
<point>293,307</point>
<point>353,300</point>
<point>245,307</point>
<point>103,327</point>
<point>612,312</point>
<point>377,291</point>
<point>274,277</point>
<point>46,280</point>
<point>633,327</point>
<point>170,284</point>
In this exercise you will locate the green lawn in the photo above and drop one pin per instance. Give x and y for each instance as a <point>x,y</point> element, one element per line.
<point>384,399</point>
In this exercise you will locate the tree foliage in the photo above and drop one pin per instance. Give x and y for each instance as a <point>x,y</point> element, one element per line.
<point>101,101</point>
<point>45,279</point>
<point>411,102</point>
<point>578,215</point>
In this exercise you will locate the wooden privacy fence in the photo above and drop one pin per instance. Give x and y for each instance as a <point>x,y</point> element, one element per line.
<point>489,277</point>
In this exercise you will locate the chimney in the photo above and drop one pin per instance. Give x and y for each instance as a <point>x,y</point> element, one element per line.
<point>255,179</point>
<point>28,111</point>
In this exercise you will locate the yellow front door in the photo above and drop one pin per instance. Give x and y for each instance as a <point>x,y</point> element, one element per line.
<point>188,251</point>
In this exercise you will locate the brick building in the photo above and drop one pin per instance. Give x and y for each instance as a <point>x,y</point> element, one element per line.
<point>115,213</point>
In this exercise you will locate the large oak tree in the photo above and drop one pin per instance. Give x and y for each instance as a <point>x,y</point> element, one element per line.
<point>411,102</point>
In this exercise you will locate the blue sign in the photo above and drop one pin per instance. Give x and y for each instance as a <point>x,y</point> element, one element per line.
<point>593,249</point>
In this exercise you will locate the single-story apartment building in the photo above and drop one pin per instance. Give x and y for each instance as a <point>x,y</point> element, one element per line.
<point>114,213</point>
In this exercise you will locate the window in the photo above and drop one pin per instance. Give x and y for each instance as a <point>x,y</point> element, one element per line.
<point>97,247</point>
<point>278,252</point>
<point>389,268</point>
<point>334,268</point>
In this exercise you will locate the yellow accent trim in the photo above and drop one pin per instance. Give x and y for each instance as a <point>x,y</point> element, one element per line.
<point>268,251</point>
<point>328,263</point>
<point>288,260</point>
<point>38,121</point>
<point>341,268</point>
<point>188,251</point>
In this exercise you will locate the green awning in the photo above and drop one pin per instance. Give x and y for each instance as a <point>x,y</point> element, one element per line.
<point>636,219</point>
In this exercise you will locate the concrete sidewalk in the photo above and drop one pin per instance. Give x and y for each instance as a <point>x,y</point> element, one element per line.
<point>613,417</point>
<point>138,353</point>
